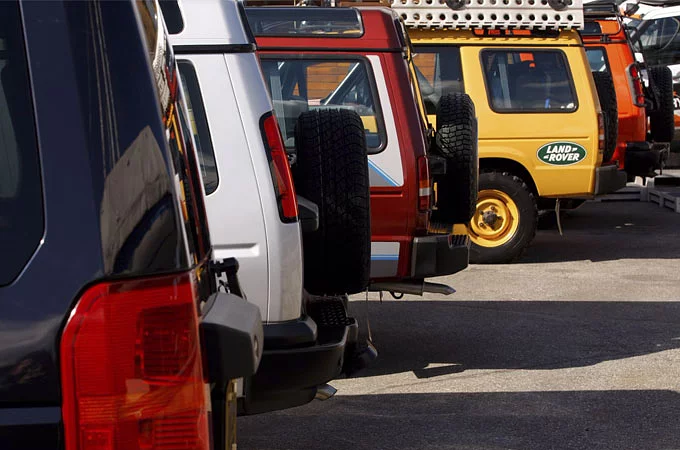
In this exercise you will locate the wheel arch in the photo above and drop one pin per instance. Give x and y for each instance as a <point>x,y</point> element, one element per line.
<point>510,166</point>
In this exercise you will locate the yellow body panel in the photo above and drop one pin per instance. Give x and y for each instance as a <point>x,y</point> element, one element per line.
<point>518,136</point>
<point>370,123</point>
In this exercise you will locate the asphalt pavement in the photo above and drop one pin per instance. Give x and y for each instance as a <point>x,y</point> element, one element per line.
<point>575,346</point>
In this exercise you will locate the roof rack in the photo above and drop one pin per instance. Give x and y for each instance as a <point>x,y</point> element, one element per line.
<point>503,14</point>
<point>601,9</point>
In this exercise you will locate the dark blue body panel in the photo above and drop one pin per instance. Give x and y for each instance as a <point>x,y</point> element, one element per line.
<point>97,117</point>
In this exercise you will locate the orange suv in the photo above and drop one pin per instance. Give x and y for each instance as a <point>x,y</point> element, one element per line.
<point>644,108</point>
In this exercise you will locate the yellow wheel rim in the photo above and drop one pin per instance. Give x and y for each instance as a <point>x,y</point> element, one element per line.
<point>496,219</point>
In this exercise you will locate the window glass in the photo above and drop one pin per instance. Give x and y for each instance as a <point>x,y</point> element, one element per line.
<point>660,41</point>
<point>301,85</point>
<point>528,81</point>
<point>439,73</point>
<point>597,60</point>
<point>21,208</point>
<point>199,126</point>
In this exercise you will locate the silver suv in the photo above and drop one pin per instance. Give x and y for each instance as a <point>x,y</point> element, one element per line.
<point>255,215</point>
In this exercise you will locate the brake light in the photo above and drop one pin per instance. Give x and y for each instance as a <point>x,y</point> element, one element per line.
<point>280,168</point>
<point>636,85</point>
<point>131,367</point>
<point>424,188</point>
<point>600,132</point>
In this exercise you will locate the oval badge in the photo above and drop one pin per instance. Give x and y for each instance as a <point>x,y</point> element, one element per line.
<point>561,153</point>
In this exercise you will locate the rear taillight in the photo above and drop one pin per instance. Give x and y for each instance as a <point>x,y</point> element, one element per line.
<point>636,85</point>
<point>280,168</point>
<point>600,132</point>
<point>131,367</point>
<point>424,188</point>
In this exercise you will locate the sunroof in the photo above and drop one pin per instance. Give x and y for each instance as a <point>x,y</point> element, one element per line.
<point>305,21</point>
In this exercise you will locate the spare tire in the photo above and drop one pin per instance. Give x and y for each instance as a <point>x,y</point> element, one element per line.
<point>456,139</point>
<point>661,119</point>
<point>331,170</point>
<point>607,94</point>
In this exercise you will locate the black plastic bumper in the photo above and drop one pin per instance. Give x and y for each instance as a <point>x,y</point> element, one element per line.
<point>438,255</point>
<point>643,158</point>
<point>609,179</point>
<point>298,357</point>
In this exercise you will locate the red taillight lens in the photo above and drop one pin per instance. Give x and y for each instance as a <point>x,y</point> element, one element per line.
<point>600,132</point>
<point>131,368</point>
<point>280,169</point>
<point>636,83</point>
<point>424,188</point>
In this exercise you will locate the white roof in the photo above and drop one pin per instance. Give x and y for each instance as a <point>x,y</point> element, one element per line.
<point>210,22</point>
<point>526,14</point>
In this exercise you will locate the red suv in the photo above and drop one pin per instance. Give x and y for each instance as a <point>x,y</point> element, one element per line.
<point>359,59</point>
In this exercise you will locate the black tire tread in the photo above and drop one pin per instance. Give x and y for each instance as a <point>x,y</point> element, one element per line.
<point>517,247</point>
<point>606,91</point>
<point>661,120</point>
<point>332,171</point>
<point>456,139</point>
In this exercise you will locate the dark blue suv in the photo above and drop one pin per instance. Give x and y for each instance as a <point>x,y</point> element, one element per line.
<point>112,332</point>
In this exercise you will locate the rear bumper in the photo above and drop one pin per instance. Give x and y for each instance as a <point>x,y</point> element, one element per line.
<point>609,179</point>
<point>439,255</point>
<point>299,356</point>
<point>643,158</point>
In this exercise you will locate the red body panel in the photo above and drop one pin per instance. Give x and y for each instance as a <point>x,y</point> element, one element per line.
<point>394,209</point>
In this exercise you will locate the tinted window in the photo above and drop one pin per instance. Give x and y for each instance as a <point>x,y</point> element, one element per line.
<point>21,208</point>
<point>199,126</point>
<point>660,41</point>
<point>439,73</point>
<point>300,85</point>
<point>597,59</point>
<point>528,81</point>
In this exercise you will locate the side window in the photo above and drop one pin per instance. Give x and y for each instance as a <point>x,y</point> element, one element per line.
<point>661,41</point>
<point>531,81</point>
<point>299,85</point>
<point>597,59</point>
<point>199,126</point>
<point>439,73</point>
<point>21,207</point>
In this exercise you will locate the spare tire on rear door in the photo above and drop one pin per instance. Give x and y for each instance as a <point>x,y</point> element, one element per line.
<point>610,110</point>
<point>661,119</point>
<point>332,171</point>
<point>456,139</point>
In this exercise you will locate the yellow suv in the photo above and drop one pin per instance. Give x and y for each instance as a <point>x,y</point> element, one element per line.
<point>541,129</point>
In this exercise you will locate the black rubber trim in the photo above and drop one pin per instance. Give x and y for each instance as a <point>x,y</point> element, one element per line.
<point>438,255</point>
<point>290,334</point>
<point>202,49</point>
<point>327,50</point>
<point>609,179</point>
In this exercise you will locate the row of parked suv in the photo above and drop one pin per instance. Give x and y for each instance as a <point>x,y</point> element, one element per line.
<point>186,176</point>
<point>216,153</point>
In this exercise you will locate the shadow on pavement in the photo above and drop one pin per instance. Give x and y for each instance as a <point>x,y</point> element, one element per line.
<point>617,420</point>
<point>608,231</point>
<point>464,335</point>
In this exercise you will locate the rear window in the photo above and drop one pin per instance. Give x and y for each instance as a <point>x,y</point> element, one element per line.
<point>528,81</point>
<point>439,73</point>
<point>299,85</point>
<point>597,58</point>
<point>199,126</point>
<point>21,208</point>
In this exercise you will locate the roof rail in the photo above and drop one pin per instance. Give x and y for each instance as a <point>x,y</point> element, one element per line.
<point>503,14</point>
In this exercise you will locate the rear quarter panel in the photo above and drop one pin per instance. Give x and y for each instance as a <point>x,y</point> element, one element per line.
<point>518,136</point>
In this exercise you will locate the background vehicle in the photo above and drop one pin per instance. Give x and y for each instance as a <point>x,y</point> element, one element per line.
<point>358,59</point>
<point>622,92</point>
<point>655,34</point>
<point>252,207</point>
<point>105,249</point>
<point>541,129</point>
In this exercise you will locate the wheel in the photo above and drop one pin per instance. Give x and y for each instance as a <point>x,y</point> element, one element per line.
<point>456,139</point>
<point>661,120</point>
<point>332,171</point>
<point>505,219</point>
<point>607,94</point>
